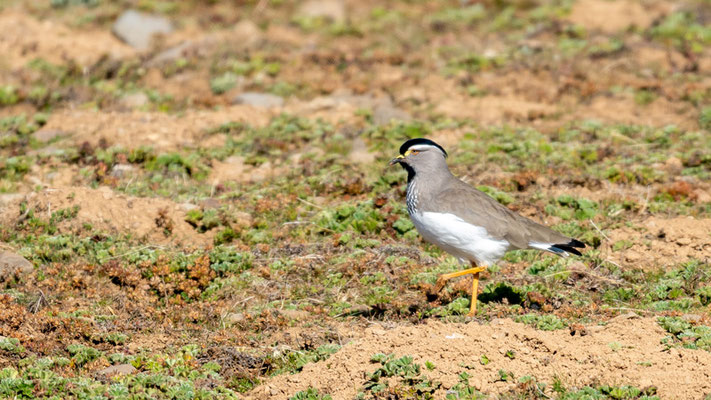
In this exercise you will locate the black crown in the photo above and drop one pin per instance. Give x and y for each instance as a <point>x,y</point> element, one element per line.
<point>413,142</point>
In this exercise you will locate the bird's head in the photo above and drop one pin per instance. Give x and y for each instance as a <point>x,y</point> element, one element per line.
<point>420,155</point>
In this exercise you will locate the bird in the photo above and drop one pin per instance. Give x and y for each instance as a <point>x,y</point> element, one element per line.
<point>464,221</point>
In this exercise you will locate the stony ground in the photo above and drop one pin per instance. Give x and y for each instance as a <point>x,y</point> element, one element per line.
<point>207,211</point>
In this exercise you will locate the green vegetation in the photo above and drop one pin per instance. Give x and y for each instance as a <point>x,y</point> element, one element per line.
<point>409,381</point>
<point>310,394</point>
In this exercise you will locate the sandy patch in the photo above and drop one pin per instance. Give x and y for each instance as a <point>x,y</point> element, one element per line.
<point>234,169</point>
<point>159,130</point>
<point>616,16</point>
<point>623,109</point>
<point>626,351</point>
<point>113,213</point>
<point>659,242</point>
<point>25,38</point>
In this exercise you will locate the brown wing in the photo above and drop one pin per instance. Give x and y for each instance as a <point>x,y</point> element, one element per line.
<point>477,208</point>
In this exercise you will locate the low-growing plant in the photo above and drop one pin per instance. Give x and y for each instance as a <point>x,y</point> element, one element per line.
<point>410,381</point>
<point>310,394</point>
<point>544,322</point>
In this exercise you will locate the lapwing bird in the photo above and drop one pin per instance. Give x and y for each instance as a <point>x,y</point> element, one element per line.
<point>464,221</point>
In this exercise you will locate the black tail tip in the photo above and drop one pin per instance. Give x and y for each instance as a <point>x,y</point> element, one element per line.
<point>571,247</point>
<point>576,243</point>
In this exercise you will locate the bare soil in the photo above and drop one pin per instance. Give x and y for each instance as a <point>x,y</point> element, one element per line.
<point>104,211</point>
<point>627,350</point>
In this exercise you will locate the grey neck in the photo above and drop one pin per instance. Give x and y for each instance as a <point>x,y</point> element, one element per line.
<point>421,186</point>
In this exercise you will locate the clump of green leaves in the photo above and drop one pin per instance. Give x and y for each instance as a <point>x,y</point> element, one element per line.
<point>8,95</point>
<point>410,382</point>
<point>459,306</point>
<point>310,394</point>
<point>362,217</point>
<point>224,259</point>
<point>294,361</point>
<point>14,168</point>
<point>82,354</point>
<point>502,197</point>
<point>608,392</point>
<point>568,207</point>
<point>205,220</point>
<point>16,129</point>
<point>705,118</point>
<point>502,292</point>
<point>457,16</point>
<point>377,289</point>
<point>223,83</point>
<point>463,390</point>
<point>704,295</point>
<point>179,164</point>
<point>11,345</point>
<point>544,322</point>
<point>682,30</point>
<point>391,136</point>
<point>684,332</point>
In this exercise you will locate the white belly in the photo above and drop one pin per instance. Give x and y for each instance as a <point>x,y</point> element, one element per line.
<point>459,238</point>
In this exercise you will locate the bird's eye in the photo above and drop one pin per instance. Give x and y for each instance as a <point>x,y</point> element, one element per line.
<point>414,152</point>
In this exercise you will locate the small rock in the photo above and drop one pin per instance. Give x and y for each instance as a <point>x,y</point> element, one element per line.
<point>171,54</point>
<point>134,100</point>
<point>294,314</point>
<point>703,196</point>
<point>233,318</point>
<point>673,165</point>
<point>137,29</point>
<point>359,152</point>
<point>264,100</point>
<point>188,206</point>
<point>8,198</point>
<point>122,170</point>
<point>106,192</point>
<point>683,241</point>
<point>46,135</point>
<point>346,96</point>
<point>455,335</point>
<point>623,317</point>
<point>118,370</point>
<point>210,203</point>
<point>378,331</point>
<point>333,10</point>
<point>188,49</point>
<point>578,329</point>
<point>243,218</point>
<point>536,298</point>
<point>13,265</point>
<point>693,318</point>
<point>247,33</point>
<point>385,111</point>
<point>360,309</point>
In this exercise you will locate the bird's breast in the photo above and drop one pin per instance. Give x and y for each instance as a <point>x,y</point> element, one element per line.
<point>458,237</point>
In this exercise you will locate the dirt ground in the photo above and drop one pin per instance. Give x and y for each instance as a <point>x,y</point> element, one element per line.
<point>625,351</point>
<point>159,207</point>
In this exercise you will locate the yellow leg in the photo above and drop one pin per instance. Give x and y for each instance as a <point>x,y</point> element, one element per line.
<point>475,294</point>
<point>475,284</point>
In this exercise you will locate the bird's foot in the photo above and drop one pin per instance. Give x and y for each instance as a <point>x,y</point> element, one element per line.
<point>439,285</point>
